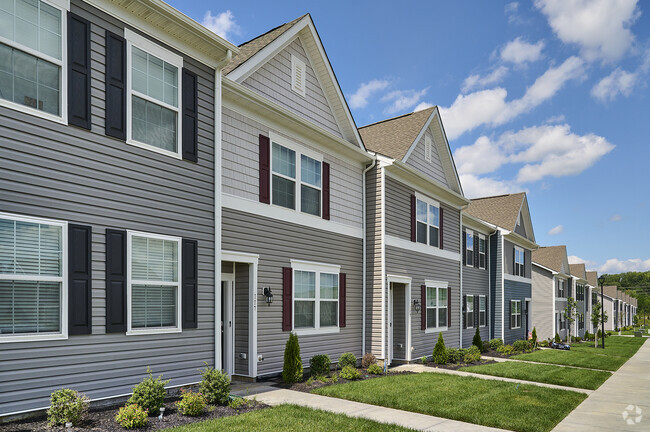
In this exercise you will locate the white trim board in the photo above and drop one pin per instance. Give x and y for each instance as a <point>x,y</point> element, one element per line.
<point>420,248</point>
<point>514,278</point>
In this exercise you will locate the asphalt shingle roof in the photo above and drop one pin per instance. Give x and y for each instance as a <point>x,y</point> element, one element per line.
<point>501,210</point>
<point>578,270</point>
<point>592,278</point>
<point>550,257</point>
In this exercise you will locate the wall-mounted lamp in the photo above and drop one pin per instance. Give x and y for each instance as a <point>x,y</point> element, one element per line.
<point>268,294</point>
<point>416,305</point>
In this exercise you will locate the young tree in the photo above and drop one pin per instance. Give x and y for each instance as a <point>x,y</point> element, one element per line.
<point>569,314</point>
<point>596,319</point>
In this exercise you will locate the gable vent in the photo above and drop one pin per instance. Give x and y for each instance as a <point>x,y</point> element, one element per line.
<point>297,75</point>
<point>428,148</point>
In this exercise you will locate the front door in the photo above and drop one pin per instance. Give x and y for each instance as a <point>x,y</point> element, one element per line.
<point>227,324</point>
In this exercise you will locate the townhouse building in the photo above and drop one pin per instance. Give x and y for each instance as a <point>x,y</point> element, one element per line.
<point>579,275</point>
<point>592,291</point>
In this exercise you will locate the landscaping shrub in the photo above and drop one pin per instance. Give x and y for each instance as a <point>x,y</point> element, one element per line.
<point>191,404</point>
<point>350,373</point>
<point>423,359</point>
<point>66,406</point>
<point>132,416</point>
<point>455,355</point>
<point>472,354</point>
<point>477,341</point>
<point>600,334</point>
<point>505,350</point>
<point>319,365</point>
<point>577,339</point>
<point>587,336</point>
<point>522,346</point>
<point>150,393</point>
<point>543,343</point>
<point>375,369</point>
<point>367,360</point>
<point>496,343</point>
<point>534,337</point>
<point>292,369</point>
<point>439,351</point>
<point>557,338</point>
<point>609,333</point>
<point>347,359</point>
<point>215,385</point>
<point>486,346</point>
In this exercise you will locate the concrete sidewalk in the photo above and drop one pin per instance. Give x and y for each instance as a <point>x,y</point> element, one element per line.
<point>379,414</point>
<point>627,391</point>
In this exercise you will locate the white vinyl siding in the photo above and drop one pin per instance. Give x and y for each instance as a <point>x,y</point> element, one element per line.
<point>315,297</point>
<point>427,221</point>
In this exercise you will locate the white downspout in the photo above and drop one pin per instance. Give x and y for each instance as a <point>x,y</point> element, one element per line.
<point>365,261</point>
<point>460,266</point>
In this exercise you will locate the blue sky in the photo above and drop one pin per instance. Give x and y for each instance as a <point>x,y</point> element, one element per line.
<point>550,97</point>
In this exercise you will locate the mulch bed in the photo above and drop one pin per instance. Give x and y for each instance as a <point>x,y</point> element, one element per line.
<point>303,387</point>
<point>456,366</point>
<point>103,420</point>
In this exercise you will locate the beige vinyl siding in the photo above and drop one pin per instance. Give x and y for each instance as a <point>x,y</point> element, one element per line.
<point>431,168</point>
<point>543,316</point>
<point>273,81</point>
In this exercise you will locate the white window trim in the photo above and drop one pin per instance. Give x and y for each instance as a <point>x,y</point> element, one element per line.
<point>523,263</point>
<point>318,268</point>
<point>516,314</point>
<point>438,285</point>
<point>427,148</point>
<point>429,202</point>
<point>299,150</point>
<point>482,237</point>
<point>129,330</point>
<point>134,39</point>
<point>479,310</point>
<point>295,61</point>
<point>473,235</point>
<point>64,7</point>
<point>63,334</point>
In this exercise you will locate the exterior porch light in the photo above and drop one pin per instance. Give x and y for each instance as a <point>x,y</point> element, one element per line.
<point>268,294</point>
<point>416,305</point>
<point>601,281</point>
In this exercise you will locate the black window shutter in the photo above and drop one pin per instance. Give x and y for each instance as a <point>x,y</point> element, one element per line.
<point>79,279</point>
<point>115,281</point>
<point>476,244</point>
<point>190,116</point>
<point>265,169</point>
<point>413,220</point>
<point>448,307</point>
<point>423,307</point>
<point>441,229</point>
<point>342,299</point>
<point>464,311</point>
<point>78,71</point>
<point>464,247</point>
<point>476,311</point>
<point>287,298</point>
<point>326,191</point>
<point>511,314</point>
<point>189,293</point>
<point>115,86</point>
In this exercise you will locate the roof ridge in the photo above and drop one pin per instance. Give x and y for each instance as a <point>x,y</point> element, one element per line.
<point>498,196</point>
<point>272,30</point>
<point>395,118</point>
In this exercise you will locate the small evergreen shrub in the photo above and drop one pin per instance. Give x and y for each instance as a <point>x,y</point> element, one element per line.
<point>496,343</point>
<point>367,360</point>
<point>557,338</point>
<point>66,406</point>
<point>350,373</point>
<point>534,337</point>
<point>319,365</point>
<point>347,359</point>
<point>439,351</point>
<point>191,404</point>
<point>132,416</point>
<point>375,369</point>
<point>150,393</point>
<point>423,359</point>
<point>505,350</point>
<point>588,336</point>
<point>455,355</point>
<point>472,355</point>
<point>543,343</point>
<point>214,386</point>
<point>577,339</point>
<point>477,341</point>
<point>486,346</point>
<point>292,370</point>
<point>522,346</point>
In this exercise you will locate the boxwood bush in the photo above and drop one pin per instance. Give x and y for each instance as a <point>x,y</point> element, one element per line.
<point>66,406</point>
<point>350,373</point>
<point>215,385</point>
<point>319,365</point>
<point>472,355</point>
<point>132,416</point>
<point>347,359</point>
<point>150,393</point>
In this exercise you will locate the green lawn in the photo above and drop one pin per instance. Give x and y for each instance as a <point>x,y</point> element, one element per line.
<point>288,418</point>
<point>570,377</point>
<point>526,408</point>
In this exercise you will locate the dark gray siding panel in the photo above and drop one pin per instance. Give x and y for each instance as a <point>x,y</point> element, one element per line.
<point>496,298</point>
<point>399,321</point>
<point>515,291</point>
<point>241,318</point>
<point>476,282</point>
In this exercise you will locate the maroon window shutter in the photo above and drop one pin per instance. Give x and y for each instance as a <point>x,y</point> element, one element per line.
<point>448,306</point>
<point>423,300</point>
<point>440,229</point>
<point>265,169</point>
<point>287,298</point>
<point>413,216</point>
<point>342,300</point>
<point>326,191</point>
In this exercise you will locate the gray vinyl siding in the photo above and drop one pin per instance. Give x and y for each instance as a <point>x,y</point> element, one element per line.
<point>496,297</point>
<point>509,252</point>
<point>543,315</point>
<point>240,168</point>
<point>515,291</point>
<point>399,321</point>
<point>476,281</point>
<point>398,216</point>
<point>431,168</point>
<point>273,81</point>
<point>420,267</point>
<point>521,230</point>
<point>55,171</point>
<point>374,257</point>
<point>241,317</point>
<point>560,305</point>
<point>277,242</point>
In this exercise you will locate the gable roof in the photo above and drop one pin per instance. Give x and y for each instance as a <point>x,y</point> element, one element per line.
<point>551,257</point>
<point>592,278</point>
<point>578,270</point>
<point>611,290</point>
<point>500,210</point>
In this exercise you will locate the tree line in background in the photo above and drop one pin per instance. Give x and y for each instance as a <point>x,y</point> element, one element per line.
<point>636,284</point>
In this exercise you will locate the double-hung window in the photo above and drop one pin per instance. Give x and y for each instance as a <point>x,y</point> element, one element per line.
<point>482,308</point>
<point>296,179</point>
<point>427,221</point>
<point>315,296</point>
<point>33,279</point>
<point>515,314</point>
<point>469,311</point>
<point>469,248</point>
<point>560,288</point>
<point>32,58</point>
<point>153,114</point>
<point>482,262</point>
<point>436,307</point>
<point>519,262</point>
<point>154,291</point>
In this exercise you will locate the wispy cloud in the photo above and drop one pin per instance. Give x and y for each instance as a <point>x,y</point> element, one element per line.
<point>519,51</point>
<point>620,82</point>
<point>556,230</point>
<point>615,218</point>
<point>614,265</point>
<point>511,10</point>
<point>222,24</point>
<point>477,81</point>
<point>475,186</point>
<point>360,98</point>
<point>400,100</point>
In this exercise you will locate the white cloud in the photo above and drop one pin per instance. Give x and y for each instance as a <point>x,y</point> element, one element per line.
<point>402,99</point>
<point>477,81</point>
<point>601,28</point>
<point>475,187</point>
<point>615,218</point>
<point>360,98</point>
<point>615,265</point>
<point>484,156</point>
<point>618,82</point>
<point>490,106</point>
<point>422,106</point>
<point>511,10</point>
<point>555,119</point>
<point>519,51</point>
<point>556,230</point>
<point>222,24</point>
<point>573,259</point>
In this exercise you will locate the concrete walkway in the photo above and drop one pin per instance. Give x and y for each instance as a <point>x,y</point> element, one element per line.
<point>379,414</point>
<point>627,391</point>
<point>421,368</point>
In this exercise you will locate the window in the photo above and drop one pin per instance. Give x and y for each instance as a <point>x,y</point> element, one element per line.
<point>469,311</point>
<point>482,314</point>
<point>469,248</point>
<point>298,72</point>
<point>315,296</point>
<point>519,262</point>
<point>153,114</point>
<point>482,261</point>
<point>427,222</point>
<point>33,282</point>
<point>289,189</point>
<point>32,76</point>
<point>154,293</point>
<point>515,314</point>
<point>436,305</point>
<point>560,288</point>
